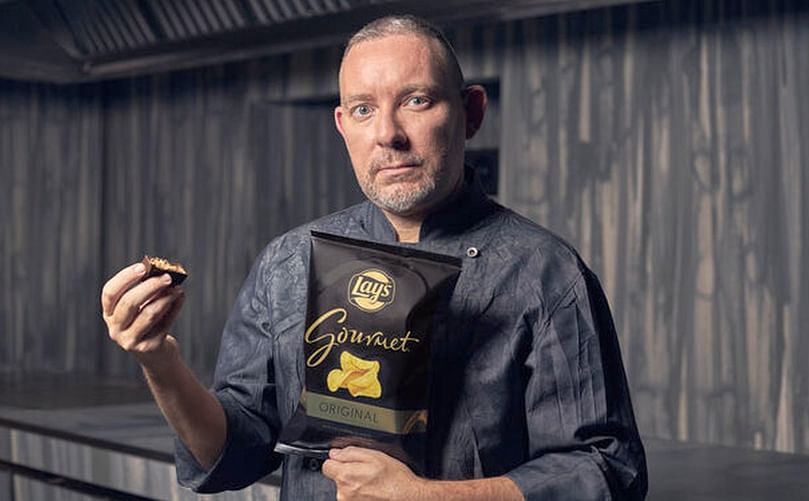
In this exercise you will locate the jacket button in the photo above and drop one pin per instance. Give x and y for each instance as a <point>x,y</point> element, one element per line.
<point>314,464</point>
<point>472,252</point>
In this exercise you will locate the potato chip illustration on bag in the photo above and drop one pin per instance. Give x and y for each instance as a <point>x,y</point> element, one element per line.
<point>360,377</point>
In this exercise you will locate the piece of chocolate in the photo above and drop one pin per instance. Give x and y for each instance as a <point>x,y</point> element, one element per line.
<point>157,266</point>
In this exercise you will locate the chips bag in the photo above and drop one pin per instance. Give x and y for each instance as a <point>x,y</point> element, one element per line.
<point>370,314</point>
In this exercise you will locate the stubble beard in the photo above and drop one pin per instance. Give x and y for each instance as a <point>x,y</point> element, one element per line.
<point>401,194</point>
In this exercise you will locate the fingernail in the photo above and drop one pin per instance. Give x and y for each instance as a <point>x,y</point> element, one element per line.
<point>139,268</point>
<point>166,278</point>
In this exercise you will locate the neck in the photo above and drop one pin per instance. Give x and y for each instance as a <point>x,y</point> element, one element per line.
<point>407,228</point>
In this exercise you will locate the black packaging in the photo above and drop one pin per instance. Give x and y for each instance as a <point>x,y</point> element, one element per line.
<point>370,314</point>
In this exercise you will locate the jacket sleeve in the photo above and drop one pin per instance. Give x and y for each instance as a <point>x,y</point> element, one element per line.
<point>583,441</point>
<point>244,384</point>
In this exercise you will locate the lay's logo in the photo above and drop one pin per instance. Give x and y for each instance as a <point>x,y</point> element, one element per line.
<point>371,290</point>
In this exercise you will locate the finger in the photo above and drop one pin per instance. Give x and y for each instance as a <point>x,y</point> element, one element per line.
<point>118,284</point>
<point>174,310</point>
<point>137,298</point>
<point>162,328</point>
<point>144,323</point>
<point>330,469</point>
<point>356,454</point>
<point>154,336</point>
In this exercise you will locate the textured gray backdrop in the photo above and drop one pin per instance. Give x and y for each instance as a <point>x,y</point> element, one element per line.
<point>667,141</point>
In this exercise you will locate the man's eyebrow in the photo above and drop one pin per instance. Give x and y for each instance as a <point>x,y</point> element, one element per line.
<point>426,88</point>
<point>356,98</point>
<point>433,90</point>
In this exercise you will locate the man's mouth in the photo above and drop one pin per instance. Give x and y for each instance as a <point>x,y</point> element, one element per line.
<point>397,173</point>
<point>395,167</point>
<point>398,167</point>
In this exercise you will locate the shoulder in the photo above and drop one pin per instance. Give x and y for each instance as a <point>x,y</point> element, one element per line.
<point>524,238</point>
<point>548,265</point>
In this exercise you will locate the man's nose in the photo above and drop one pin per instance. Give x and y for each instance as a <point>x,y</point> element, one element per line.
<point>390,132</point>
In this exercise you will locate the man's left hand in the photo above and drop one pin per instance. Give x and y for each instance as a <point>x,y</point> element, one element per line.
<point>366,474</point>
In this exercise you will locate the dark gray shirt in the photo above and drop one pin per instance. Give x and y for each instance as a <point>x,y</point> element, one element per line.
<point>527,375</point>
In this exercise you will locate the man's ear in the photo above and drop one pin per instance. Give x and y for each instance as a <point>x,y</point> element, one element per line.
<point>338,120</point>
<point>474,101</point>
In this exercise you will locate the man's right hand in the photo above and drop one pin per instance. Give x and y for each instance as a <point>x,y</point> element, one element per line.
<point>139,313</point>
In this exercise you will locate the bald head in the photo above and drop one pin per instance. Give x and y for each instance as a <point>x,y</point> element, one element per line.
<point>412,25</point>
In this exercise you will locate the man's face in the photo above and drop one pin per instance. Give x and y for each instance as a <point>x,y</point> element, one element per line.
<point>403,121</point>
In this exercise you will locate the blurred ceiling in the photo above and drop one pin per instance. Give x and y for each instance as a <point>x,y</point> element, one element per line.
<point>66,41</point>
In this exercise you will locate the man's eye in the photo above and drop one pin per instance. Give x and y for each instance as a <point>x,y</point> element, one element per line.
<point>361,110</point>
<point>419,101</point>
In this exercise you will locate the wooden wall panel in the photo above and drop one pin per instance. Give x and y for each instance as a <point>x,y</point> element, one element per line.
<point>667,142</point>
<point>50,225</point>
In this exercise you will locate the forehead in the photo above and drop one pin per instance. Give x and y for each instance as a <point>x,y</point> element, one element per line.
<point>394,60</point>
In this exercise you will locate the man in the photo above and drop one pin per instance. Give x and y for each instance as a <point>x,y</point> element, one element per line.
<point>529,398</point>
